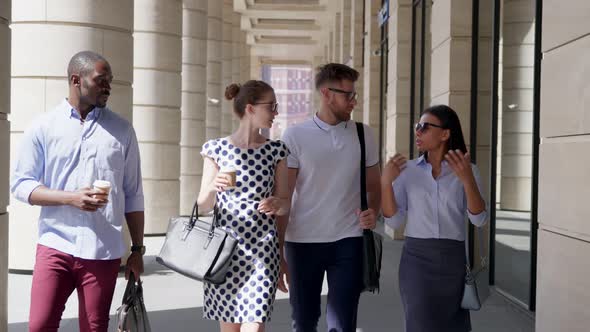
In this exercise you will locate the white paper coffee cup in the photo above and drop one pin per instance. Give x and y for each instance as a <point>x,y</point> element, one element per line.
<point>103,186</point>
<point>231,171</point>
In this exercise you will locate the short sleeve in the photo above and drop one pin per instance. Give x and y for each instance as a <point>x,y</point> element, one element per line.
<point>372,157</point>
<point>282,151</point>
<point>289,141</point>
<point>211,149</point>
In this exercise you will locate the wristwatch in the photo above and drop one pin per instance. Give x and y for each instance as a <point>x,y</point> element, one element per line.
<point>140,249</point>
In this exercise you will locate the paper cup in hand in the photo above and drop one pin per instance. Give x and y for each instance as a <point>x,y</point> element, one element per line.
<point>229,170</point>
<point>103,186</point>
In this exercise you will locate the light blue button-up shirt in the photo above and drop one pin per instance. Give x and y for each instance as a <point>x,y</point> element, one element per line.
<point>433,208</point>
<point>61,152</point>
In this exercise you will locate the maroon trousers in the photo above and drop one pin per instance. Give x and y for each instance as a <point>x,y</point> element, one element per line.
<point>55,277</point>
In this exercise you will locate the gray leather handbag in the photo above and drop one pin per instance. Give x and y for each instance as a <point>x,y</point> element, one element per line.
<point>197,249</point>
<point>131,315</point>
<point>470,300</point>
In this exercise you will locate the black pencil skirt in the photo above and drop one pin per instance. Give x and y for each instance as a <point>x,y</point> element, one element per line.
<point>431,281</point>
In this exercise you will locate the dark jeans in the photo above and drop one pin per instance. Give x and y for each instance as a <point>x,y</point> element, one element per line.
<point>342,261</point>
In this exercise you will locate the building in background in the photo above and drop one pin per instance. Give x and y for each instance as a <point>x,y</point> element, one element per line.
<point>293,87</point>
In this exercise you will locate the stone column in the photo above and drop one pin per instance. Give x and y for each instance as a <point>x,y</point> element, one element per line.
<point>336,48</point>
<point>345,30</point>
<point>563,286</point>
<point>245,60</point>
<point>235,62</point>
<point>255,67</point>
<point>5,151</point>
<point>356,54</point>
<point>397,138</point>
<point>372,66</point>
<point>156,106</point>
<point>226,68</point>
<point>194,101</point>
<point>214,35</point>
<point>45,35</point>
<point>517,104</point>
<point>331,46</point>
<point>316,101</point>
<point>451,57</point>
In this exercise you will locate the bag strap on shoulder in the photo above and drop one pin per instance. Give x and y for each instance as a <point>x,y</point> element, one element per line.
<point>361,133</point>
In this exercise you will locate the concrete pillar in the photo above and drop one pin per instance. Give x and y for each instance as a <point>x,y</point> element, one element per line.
<point>255,67</point>
<point>345,29</point>
<point>244,74</point>
<point>331,46</point>
<point>214,35</point>
<point>317,62</point>
<point>156,106</point>
<point>45,35</point>
<point>194,101</point>
<point>336,50</point>
<point>372,66</point>
<point>517,104</point>
<point>397,138</point>
<point>563,297</point>
<point>235,62</point>
<point>5,151</point>
<point>356,53</point>
<point>226,68</point>
<point>451,57</point>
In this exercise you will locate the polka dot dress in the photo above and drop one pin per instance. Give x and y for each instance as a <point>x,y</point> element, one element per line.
<point>249,290</point>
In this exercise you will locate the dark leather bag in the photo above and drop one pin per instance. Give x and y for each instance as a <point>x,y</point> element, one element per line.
<point>131,315</point>
<point>372,241</point>
<point>197,249</point>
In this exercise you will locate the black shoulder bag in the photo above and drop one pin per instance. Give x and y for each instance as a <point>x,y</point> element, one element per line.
<point>372,242</point>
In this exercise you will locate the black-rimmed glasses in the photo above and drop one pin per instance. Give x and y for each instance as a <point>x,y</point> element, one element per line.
<point>423,126</point>
<point>274,108</point>
<point>350,95</point>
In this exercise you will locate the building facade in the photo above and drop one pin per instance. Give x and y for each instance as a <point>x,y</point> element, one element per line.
<point>514,70</point>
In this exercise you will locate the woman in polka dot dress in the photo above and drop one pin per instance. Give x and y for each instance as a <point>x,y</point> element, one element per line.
<point>245,301</point>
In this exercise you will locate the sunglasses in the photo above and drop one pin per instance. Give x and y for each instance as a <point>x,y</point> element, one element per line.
<point>274,108</point>
<point>423,126</point>
<point>350,95</point>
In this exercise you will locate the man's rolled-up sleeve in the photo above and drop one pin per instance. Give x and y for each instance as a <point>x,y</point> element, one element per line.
<point>30,165</point>
<point>132,183</point>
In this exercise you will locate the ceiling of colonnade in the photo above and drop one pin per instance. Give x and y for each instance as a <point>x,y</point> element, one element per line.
<point>286,30</point>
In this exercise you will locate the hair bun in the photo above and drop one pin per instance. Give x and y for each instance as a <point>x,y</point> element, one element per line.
<point>231,91</point>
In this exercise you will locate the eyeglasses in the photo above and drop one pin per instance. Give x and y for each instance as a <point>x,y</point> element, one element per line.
<point>350,95</point>
<point>274,108</point>
<point>423,126</point>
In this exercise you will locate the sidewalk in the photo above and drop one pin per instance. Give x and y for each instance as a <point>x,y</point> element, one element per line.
<point>174,303</point>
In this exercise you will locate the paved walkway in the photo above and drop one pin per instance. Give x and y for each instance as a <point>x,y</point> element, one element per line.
<point>175,303</point>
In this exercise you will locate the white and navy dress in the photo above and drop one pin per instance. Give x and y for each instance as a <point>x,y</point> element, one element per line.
<point>248,293</point>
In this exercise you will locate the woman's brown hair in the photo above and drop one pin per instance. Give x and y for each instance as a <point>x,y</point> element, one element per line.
<point>250,92</point>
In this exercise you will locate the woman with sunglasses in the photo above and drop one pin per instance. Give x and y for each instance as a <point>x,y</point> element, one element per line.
<point>248,203</point>
<point>433,195</point>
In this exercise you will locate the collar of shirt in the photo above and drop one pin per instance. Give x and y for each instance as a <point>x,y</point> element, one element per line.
<point>328,127</point>
<point>70,111</point>
<point>422,163</point>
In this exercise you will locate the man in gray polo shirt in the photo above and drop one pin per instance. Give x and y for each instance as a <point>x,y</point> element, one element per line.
<point>323,233</point>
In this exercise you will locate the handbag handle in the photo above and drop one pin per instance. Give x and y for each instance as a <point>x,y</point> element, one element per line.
<point>195,216</point>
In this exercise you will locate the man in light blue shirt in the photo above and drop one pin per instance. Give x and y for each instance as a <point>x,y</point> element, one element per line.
<point>80,229</point>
